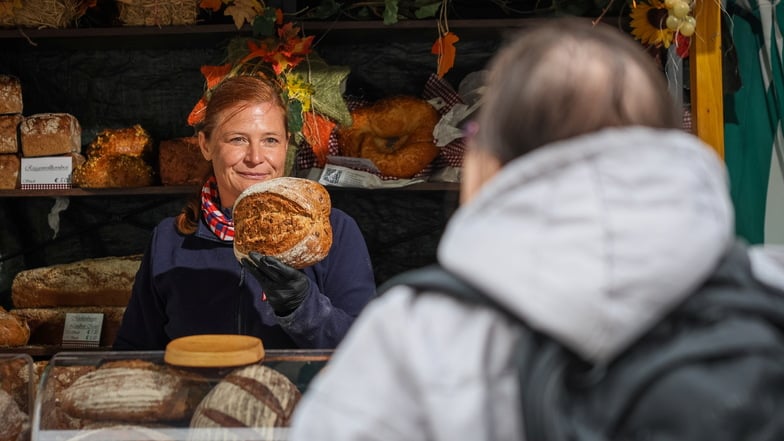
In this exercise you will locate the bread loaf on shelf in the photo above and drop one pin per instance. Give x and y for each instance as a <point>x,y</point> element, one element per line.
<point>9,133</point>
<point>287,218</point>
<point>10,95</point>
<point>180,162</point>
<point>13,330</point>
<point>113,171</point>
<point>131,141</point>
<point>47,324</point>
<point>10,166</point>
<point>50,134</point>
<point>105,281</point>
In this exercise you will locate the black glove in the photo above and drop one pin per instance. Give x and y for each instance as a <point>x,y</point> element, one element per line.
<point>284,286</point>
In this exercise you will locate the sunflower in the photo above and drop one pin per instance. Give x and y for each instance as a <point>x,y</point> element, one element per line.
<point>649,24</point>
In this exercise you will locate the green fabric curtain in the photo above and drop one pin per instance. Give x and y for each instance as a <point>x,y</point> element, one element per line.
<point>753,114</point>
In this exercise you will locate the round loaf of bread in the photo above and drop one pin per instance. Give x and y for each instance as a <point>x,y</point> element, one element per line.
<point>254,396</point>
<point>286,218</point>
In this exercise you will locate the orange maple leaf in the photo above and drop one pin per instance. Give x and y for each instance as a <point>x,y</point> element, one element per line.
<point>197,113</point>
<point>214,5</point>
<point>215,74</point>
<point>444,47</point>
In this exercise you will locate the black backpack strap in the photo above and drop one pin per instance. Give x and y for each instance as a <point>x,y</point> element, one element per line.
<point>435,278</point>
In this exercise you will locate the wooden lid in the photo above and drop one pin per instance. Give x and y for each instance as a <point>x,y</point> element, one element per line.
<point>214,350</point>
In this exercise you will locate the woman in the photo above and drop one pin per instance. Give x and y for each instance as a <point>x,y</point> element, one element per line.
<point>191,283</point>
<point>585,211</point>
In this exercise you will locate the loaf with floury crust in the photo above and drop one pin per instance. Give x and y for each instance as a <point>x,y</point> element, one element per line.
<point>9,133</point>
<point>133,391</point>
<point>286,218</point>
<point>254,396</point>
<point>50,134</point>
<point>103,281</point>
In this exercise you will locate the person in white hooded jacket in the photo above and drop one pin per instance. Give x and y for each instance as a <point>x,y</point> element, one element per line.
<point>586,210</point>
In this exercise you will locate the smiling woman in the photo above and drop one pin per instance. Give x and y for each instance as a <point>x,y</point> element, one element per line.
<point>190,282</point>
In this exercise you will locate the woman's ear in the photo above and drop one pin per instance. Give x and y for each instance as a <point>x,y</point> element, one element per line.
<point>205,150</point>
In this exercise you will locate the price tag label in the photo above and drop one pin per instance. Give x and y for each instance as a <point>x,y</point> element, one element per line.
<point>82,329</point>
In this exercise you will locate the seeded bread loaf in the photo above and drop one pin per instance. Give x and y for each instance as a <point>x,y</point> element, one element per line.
<point>50,134</point>
<point>130,141</point>
<point>286,218</point>
<point>15,423</point>
<point>103,281</point>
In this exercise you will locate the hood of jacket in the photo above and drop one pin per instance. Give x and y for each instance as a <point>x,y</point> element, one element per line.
<point>593,239</point>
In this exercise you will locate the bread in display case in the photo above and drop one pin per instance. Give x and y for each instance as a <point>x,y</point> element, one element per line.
<point>17,387</point>
<point>137,395</point>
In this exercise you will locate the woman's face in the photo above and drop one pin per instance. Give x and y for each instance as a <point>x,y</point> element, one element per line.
<point>247,146</point>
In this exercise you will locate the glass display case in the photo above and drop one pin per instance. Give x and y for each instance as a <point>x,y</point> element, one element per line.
<point>137,395</point>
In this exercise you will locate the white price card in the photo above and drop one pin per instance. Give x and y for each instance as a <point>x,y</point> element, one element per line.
<point>82,329</point>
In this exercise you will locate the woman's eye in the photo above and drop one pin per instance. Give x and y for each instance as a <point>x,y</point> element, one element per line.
<point>271,141</point>
<point>238,140</point>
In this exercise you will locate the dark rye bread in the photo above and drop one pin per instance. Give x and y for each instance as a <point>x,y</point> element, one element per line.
<point>254,396</point>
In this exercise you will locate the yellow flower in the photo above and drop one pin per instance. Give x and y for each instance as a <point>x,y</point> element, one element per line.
<point>649,24</point>
<point>300,90</point>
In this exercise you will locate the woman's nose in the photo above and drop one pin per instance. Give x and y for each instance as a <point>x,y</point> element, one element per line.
<point>255,153</point>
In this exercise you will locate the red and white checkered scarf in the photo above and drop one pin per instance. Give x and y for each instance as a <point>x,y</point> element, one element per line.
<point>220,224</point>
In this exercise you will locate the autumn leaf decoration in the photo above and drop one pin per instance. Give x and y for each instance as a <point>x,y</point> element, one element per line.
<point>274,56</point>
<point>241,11</point>
<point>444,46</point>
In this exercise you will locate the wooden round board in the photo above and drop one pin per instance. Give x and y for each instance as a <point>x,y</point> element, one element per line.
<point>214,350</point>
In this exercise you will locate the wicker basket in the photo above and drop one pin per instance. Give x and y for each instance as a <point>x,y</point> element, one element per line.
<point>158,12</point>
<point>39,13</point>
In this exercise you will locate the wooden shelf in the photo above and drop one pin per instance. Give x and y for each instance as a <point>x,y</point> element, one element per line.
<point>184,190</point>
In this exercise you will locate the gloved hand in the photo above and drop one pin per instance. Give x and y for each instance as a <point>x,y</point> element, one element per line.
<point>284,286</point>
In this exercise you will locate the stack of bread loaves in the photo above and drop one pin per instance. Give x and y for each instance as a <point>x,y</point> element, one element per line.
<point>42,297</point>
<point>10,117</point>
<point>117,158</point>
<point>41,134</point>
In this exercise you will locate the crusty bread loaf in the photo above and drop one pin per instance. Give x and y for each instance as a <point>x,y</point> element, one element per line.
<point>10,165</point>
<point>135,391</point>
<point>252,396</point>
<point>57,378</point>
<point>47,324</point>
<point>113,171</point>
<point>180,162</point>
<point>13,330</point>
<point>103,281</point>
<point>287,218</point>
<point>131,141</point>
<point>9,133</point>
<point>15,423</point>
<point>50,134</point>
<point>10,95</point>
